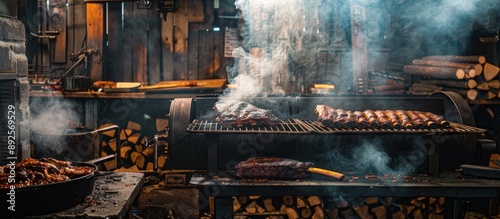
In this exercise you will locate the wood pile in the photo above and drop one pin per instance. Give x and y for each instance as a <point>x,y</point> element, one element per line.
<point>470,76</point>
<point>294,207</point>
<point>385,84</point>
<point>135,156</point>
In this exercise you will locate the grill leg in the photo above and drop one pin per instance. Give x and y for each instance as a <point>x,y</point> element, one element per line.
<point>212,154</point>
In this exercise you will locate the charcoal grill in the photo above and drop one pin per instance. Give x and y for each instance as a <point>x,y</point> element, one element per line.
<point>215,149</point>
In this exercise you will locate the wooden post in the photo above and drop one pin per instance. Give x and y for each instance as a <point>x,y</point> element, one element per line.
<point>95,39</point>
<point>359,46</point>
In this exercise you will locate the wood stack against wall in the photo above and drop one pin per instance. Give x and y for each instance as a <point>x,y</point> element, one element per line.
<point>318,207</point>
<point>135,155</point>
<point>473,77</point>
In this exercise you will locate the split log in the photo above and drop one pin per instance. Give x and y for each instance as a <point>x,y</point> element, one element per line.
<point>434,72</point>
<point>474,94</point>
<point>125,150</point>
<point>494,84</point>
<point>398,215</point>
<point>490,71</point>
<point>483,86</point>
<point>110,133</point>
<point>319,213</point>
<point>306,212</point>
<point>371,200</point>
<point>301,202</point>
<point>140,162</point>
<point>134,126</point>
<point>139,147</point>
<point>380,212</point>
<point>148,152</point>
<point>448,83</point>
<point>243,199</point>
<point>251,208</point>
<point>236,204</point>
<point>161,124</point>
<point>134,138</point>
<point>108,165</point>
<point>417,214</point>
<point>268,204</point>
<point>162,159</point>
<point>455,58</point>
<point>125,133</point>
<point>291,213</point>
<point>440,63</point>
<point>314,200</point>
<point>361,210</point>
<point>134,156</point>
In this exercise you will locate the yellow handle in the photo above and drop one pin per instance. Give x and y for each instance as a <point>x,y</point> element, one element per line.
<point>329,173</point>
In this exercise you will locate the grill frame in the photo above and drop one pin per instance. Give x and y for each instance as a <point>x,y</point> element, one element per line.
<point>315,127</point>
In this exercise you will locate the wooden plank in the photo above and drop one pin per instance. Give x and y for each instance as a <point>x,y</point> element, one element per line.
<point>194,49</point>
<point>154,47</point>
<point>95,38</point>
<point>58,22</point>
<point>196,11</point>
<point>181,34</point>
<point>72,29</point>
<point>128,41</point>
<point>217,70</point>
<point>205,53</point>
<point>115,51</point>
<point>167,48</point>
<point>140,45</point>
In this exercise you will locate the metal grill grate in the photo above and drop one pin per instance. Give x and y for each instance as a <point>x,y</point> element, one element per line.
<point>454,128</point>
<point>297,126</point>
<point>288,126</point>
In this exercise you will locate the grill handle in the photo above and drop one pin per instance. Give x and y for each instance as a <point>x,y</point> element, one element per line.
<point>324,172</point>
<point>155,139</point>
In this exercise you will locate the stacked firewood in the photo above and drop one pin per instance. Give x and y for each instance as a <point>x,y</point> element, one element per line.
<point>380,83</point>
<point>134,154</point>
<point>317,207</point>
<point>470,76</point>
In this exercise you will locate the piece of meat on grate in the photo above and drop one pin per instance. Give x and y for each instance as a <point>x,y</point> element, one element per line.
<point>280,168</point>
<point>234,113</point>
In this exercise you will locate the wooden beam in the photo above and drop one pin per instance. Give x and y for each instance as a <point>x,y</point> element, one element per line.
<point>95,39</point>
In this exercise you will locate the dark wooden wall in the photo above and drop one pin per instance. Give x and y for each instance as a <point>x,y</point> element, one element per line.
<point>147,46</point>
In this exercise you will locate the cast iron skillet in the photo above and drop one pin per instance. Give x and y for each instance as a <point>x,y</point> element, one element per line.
<point>44,199</point>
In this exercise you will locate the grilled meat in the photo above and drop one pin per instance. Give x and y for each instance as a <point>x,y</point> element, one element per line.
<point>31,172</point>
<point>272,168</point>
<point>387,119</point>
<point>234,113</point>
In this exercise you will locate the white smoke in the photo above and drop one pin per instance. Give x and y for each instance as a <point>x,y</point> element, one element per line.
<point>53,116</point>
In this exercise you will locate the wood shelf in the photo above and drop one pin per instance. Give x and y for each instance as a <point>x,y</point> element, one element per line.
<point>101,95</point>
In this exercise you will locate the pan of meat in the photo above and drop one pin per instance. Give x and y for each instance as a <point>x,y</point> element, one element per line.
<point>44,185</point>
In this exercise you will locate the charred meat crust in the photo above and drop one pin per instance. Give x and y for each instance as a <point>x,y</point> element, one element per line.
<point>272,168</point>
